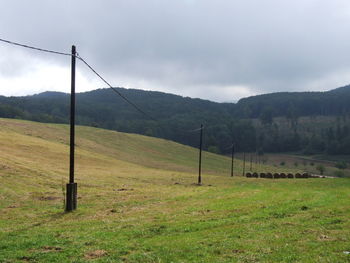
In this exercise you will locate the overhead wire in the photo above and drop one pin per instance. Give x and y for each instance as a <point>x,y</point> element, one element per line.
<point>229,147</point>
<point>35,48</point>
<point>87,64</point>
<point>113,88</point>
<point>195,130</point>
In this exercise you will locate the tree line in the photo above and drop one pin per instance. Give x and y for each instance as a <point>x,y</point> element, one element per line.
<point>278,122</point>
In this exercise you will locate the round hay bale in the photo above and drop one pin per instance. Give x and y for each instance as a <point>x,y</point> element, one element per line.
<point>262,175</point>
<point>255,175</point>
<point>248,175</point>
<point>276,175</point>
<point>305,175</point>
<point>269,175</point>
<point>283,175</point>
<point>290,175</point>
<point>298,175</point>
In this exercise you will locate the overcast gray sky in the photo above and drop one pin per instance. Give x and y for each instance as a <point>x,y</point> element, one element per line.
<point>219,50</point>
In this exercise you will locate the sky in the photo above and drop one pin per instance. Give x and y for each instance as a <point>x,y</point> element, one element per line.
<point>220,50</point>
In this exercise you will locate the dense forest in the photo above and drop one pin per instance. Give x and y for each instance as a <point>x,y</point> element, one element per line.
<point>308,122</point>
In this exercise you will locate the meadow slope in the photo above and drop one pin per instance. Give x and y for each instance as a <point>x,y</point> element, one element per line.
<point>138,202</point>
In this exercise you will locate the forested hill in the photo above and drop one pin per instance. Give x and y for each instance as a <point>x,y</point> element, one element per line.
<point>174,117</point>
<point>167,116</point>
<point>333,102</point>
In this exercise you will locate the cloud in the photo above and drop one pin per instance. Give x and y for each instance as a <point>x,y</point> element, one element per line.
<point>226,48</point>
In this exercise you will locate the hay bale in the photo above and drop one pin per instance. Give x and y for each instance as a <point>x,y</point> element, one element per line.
<point>305,175</point>
<point>290,175</point>
<point>269,175</point>
<point>249,175</point>
<point>262,175</point>
<point>255,175</point>
<point>298,175</point>
<point>276,175</point>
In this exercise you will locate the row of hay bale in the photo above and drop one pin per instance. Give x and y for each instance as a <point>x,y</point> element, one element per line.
<point>281,175</point>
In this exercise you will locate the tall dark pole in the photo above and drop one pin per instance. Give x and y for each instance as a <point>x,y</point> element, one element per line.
<point>232,158</point>
<point>244,164</point>
<point>71,200</point>
<point>251,162</point>
<point>200,156</point>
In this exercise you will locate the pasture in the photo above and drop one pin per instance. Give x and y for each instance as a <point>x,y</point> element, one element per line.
<point>138,202</point>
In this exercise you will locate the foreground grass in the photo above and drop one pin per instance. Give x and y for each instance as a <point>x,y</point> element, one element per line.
<point>134,211</point>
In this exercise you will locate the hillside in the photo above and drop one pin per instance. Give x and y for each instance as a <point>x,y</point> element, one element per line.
<point>252,124</point>
<point>137,202</point>
<point>296,104</point>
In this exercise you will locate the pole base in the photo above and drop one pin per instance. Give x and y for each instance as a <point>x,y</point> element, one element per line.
<point>71,197</point>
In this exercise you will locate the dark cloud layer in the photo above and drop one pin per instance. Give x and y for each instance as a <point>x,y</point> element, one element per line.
<point>218,50</point>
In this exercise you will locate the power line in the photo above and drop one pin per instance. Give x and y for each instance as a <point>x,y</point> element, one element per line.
<point>90,67</point>
<point>202,128</point>
<point>35,48</point>
<point>113,88</point>
<point>229,147</point>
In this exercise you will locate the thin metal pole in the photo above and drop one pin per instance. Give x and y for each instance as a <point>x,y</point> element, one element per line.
<point>232,158</point>
<point>200,156</point>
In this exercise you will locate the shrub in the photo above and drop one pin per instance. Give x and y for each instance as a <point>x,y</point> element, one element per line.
<point>320,168</point>
<point>339,173</point>
<point>341,165</point>
<point>213,149</point>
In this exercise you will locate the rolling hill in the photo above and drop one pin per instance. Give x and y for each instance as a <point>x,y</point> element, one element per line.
<point>138,202</point>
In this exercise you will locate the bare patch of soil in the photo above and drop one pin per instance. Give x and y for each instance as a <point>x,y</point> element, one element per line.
<point>95,254</point>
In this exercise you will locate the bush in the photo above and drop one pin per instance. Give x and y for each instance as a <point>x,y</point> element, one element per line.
<point>339,173</point>
<point>213,149</point>
<point>341,165</point>
<point>320,168</point>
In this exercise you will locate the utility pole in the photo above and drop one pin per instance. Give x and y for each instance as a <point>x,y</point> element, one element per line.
<point>72,187</point>
<point>232,158</point>
<point>200,156</point>
<point>244,164</point>
<point>251,162</point>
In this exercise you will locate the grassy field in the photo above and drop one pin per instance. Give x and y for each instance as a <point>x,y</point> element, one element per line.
<point>138,202</point>
<point>304,163</point>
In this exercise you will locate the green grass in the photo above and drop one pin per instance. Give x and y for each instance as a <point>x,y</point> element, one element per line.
<point>138,202</point>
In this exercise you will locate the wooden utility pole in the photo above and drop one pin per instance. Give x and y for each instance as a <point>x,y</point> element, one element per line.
<point>244,164</point>
<point>251,162</point>
<point>72,187</point>
<point>200,156</point>
<point>232,158</point>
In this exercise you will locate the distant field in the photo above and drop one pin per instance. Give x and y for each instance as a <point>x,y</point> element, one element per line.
<point>138,202</point>
<point>304,163</point>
